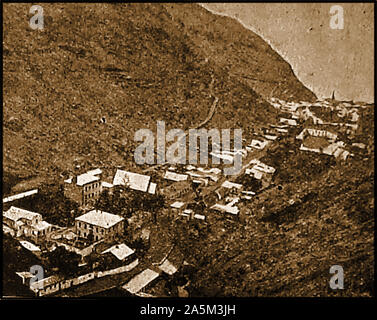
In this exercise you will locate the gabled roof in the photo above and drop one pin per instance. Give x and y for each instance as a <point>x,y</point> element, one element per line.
<point>140,281</point>
<point>25,274</point>
<point>100,218</point>
<point>134,181</point>
<point>281,130</point>
<point>15,214</point>
<point>121,251</point>
<point>288,121</point>
<point>199,216</point>
<point>270,137</point>
<point>222,156</point>
<point>188,211</point>
<point>212,170</point>
<point>257,144</point>
<point>264,168</point>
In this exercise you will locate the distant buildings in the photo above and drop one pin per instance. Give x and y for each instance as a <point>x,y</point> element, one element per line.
<point>260,171</point>
<point>177,207</point>
<point>168,267</point>
<point>291,122</point>
<point>100,225</point>
<point>178,190</point>
<point>230,185</point>
<point>257,144</point>
<point>324,144</point>
<point>226,209</point>
<point>317,133</point>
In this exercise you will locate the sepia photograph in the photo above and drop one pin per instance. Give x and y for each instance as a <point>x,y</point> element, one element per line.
<point>188,150</point>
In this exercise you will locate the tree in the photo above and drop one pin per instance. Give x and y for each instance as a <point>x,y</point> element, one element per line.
<point>66,261</point>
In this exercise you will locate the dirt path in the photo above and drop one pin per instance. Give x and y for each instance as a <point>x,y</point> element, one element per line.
<point>201,124</point>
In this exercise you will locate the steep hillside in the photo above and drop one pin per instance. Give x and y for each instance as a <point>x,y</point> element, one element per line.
<point>128,65</point>
<point>241,52</point>
<point>319,213</point>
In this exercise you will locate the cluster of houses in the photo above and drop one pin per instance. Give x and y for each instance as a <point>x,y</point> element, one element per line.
<point>96,230</point>
<point>319,139</point>
<point>29,226</point>
<point>333,113</point>
<point>181,187</point>
<point>92,231</point>
<point>102,227</point>
<point>24,223</point>
<point>324,142</point>
<point>339,111</point>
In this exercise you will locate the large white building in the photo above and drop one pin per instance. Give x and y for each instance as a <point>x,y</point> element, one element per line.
<point>100,225</point>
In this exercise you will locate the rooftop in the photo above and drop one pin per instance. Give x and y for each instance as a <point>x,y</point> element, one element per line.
<point>121,251</point>
<point>167,267</point>
<point>107,184</point>
<point>15,214</point>
<point>20,195</point>
<point>100,218</point>
<point>152,188</point>
<point>175,176</point>
<point>86,178</point>
<point>140,281</point>
<point>95,172</point>
<point>177,204</point>
<point>42,225</point>
<point>229,185</point>
<point>29,246</point>
<point>134,181</point>
<point>225,208</point>
<point>45,282</point>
